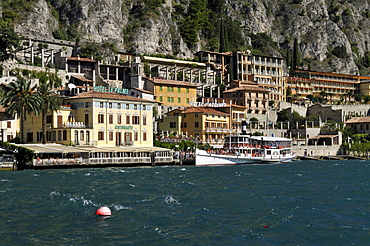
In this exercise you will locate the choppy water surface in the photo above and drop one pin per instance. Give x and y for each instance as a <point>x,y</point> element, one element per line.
<point>300,203</point>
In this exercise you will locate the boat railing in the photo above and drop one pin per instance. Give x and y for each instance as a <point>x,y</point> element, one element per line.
<point>163,159</point>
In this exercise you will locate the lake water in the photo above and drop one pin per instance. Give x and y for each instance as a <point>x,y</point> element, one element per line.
<point>298,203</point>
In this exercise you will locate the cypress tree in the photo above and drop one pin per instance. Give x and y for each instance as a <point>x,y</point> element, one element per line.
<point>295,54</point>
<point>224,45</point>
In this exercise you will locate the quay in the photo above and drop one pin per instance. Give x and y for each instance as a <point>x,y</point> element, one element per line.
<point>62,156</point>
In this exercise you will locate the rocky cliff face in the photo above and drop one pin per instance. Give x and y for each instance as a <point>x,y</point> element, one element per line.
<point>332,35</point>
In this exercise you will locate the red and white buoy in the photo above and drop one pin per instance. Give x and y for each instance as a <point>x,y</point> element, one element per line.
<point>104,211</point>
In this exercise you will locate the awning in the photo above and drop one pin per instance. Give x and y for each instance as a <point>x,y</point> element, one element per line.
<point>40,149</point>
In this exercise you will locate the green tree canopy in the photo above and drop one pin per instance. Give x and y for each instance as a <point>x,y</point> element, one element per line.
<point>9,41</point>
<point>20,99</point>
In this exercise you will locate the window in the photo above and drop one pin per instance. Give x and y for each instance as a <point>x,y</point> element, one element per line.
<point>48,119</point>
<point>161,99</point>
<point>87,120</point>
<point>100,118</point>
<point>179,100</point>
<point>187,100</point>
<point>187,90</point>
<point>87,105</point>
<point>118,105</point>
<point>135,120</point>
<point>196,115</point>
<point>127,106</point>
<point>128,119</point>
<point>8,124</point>
<point>144,120</point>
<point>64,135</point>
<point>144,107</point>
<point>160,88</point>
<point>82,136</point>
<point>136,136</point>
<point>110,136</point>
<point>168,89</point>
<point>172,99</point>
<point>101,105</point>
<point>144,136</point>
<point>196,124</point>
<point>135,106</point>
<point>172,124</point>
<point>178,89</point>
<point>100,135</point>
<point>168,99</point>
<point>110,117</point>
<point>110,105</point>
<point>119,119</point>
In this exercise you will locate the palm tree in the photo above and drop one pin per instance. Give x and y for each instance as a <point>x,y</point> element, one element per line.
<point>20,99</point>
<point>50,99</point>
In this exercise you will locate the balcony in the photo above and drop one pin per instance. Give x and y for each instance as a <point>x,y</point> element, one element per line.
<point>216,129</point>
<point>73,125</point>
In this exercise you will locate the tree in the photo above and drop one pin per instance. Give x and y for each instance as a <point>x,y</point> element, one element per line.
<point>50,100</point>
<point>20,99</point>
<point>9,42</point>
<point>296,55</point>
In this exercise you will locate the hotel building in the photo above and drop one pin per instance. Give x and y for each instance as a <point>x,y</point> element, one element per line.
<point>97,118</point>
<point>208,125</point>
<point>266,71</point>
<point>337,86</point>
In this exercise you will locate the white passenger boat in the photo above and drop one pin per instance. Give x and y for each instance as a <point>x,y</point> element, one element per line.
<point>246,149</point>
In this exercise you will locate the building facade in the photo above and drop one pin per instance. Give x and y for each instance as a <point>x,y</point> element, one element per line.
<point>266,71</point>
<point>208,125</point>
<point>97,118</point>
<point>336,86</point>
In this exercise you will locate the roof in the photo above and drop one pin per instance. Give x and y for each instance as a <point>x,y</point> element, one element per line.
<point>205,110</point>
<point>142,90</point>
<point>58,148</point>
<point>52,148</point>
<point>324,136</point>
<point>170,82</point>
<point>357,120</point>
<point>264,138</point>
<point>228,53</point>
<point>172,61</point>
<point>80,59</point>
<point>108,95</point>
<point>246,87</point>
<point>82,78</point>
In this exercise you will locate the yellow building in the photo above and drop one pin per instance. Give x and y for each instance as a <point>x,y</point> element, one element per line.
<point>206,124</point>
<point>365,88</point>
<point>171,94</point>
<point>97,118</point>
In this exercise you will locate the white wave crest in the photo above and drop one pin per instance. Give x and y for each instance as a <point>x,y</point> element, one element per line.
<point>171,200</point>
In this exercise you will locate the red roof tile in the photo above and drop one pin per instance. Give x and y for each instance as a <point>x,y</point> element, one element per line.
<point>202,110</point>
<point>355,120</point>
<point>108,95</point>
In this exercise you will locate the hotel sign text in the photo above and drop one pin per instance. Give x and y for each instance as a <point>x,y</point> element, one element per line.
<point>124,127</point>
<point>111,89</point>
<point>200,104</point>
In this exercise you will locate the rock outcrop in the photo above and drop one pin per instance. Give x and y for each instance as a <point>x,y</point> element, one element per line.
<point>320,26</point>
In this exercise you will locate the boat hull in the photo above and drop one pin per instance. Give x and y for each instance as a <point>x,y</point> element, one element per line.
<point>202,158</point>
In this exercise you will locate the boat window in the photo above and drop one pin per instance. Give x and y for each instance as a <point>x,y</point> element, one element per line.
<point>268,152</point>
